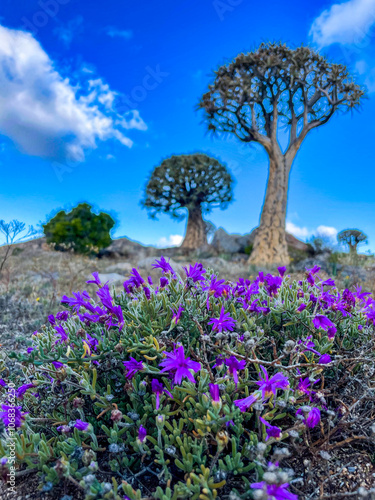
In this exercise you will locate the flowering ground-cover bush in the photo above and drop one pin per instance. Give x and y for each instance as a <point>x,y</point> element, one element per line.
<point>195,388</point>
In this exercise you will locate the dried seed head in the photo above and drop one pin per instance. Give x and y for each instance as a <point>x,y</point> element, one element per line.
<point>78,402</point>
<point>270,477</point>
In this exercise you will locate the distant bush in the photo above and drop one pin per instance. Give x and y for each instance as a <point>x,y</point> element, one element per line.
<point>196,388</point>
<point>79,230</point>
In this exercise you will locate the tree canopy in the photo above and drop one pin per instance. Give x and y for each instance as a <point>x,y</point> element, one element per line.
<point>188,182</point>
<point>352,238</point>
<point>273,85</point>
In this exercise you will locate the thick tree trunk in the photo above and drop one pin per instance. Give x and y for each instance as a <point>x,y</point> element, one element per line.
<point>195,230</point>
<point>270,245</point>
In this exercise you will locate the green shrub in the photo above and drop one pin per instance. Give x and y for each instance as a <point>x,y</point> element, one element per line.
<point>79,230</point>
<point>194,388</point>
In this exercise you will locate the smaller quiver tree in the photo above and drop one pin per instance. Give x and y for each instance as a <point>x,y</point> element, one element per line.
<point>189,185</point>
<point>352,238</point>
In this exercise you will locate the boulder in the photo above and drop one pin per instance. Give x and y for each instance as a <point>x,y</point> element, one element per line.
<point>223,242</point>
<point>119,267</point>
<point>124,247</point>
<point>111,278</point>
<point>237,243</point>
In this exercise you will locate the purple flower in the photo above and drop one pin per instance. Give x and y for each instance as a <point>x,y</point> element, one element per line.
<point>136,277</point>
<point>57,364</point>
<point>133,366</point>
<point>92,342</point>
<point>269,386</point>
<point>179,366</point>
<point>149,279</point>
<point>30,349</point>
<point>177,314</point>
<point>322,322</point>
<point>275,491</point>
<point>96,279</point>
<point>81,426</point>
<point>281,271</point>
<point>331,332</point>
<point>12,415</point>
<point>301,308</point>
<point>3,383</point>
<point>142,433</point>
<point>329,282</point>
<point>224,322</point>
<point>233,366</point>
<point>273,283</point>
<point>63,335</point>
<point>163,282</point>
<point>158,389</point>
<point>195,273</point>
<point>324,359</point>
<point>311,417</point>
<point>215,392</point>
<point>21,390</point>
<point>147,292</point>
<point>163,265</point>
<point>216,288</point>
<point>62,315</point>
<point>245,403</point>
<point>51,319</point>
<point>271,430</point>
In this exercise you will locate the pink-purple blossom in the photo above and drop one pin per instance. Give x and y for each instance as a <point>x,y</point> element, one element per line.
<point>12,415</point>
<point>271,430</point>
<point>269,385</point>
<point>133,367</point>
<point>179,366</point>
<point>234,366</point>
<point>223,322</point>
<point>81,425</point>
<point>311,416</point>
<point>158,389</point>
<point>142,433</point>
<point>275,491</point>
<point>245,403</point>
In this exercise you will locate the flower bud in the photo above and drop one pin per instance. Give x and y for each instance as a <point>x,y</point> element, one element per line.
<point>78,402</point>
<point>116,415</point>
<point>160,421</point>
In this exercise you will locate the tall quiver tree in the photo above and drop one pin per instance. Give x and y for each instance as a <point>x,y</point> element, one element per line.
<point>189,185</point>
<point>267,91</point>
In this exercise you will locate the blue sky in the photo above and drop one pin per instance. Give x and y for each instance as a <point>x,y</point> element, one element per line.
<point>94,95</point>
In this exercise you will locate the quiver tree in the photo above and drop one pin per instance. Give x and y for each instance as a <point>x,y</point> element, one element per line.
<point>189,185</point>
<point>352,238</point>
<point>263,92</point>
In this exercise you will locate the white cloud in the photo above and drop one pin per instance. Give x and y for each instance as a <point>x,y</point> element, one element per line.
<point>45,114</point>
<point>172,240</point>
<point>298,232</point>
<point>326,231</point>
<point>346,23</point>
<point>115,32</point>
<point>303,233</point>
